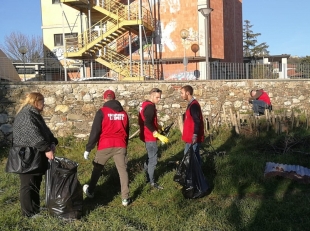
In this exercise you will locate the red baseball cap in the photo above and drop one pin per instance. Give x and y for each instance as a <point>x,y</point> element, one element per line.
<point>109,93</point>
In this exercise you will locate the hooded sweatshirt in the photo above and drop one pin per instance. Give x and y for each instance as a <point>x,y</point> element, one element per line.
<point>110,127</point>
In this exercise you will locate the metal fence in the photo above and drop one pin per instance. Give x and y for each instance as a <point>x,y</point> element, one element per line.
<point>258,71</point>
<point>54,70</point>
<point>51,69</point>
<point>219,70</point>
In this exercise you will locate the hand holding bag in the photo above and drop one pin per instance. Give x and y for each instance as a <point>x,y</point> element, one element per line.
<point>23,160</point>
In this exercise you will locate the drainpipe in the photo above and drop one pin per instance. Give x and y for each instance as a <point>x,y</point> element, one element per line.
<point>129,41</point>
<point>140,39</point>
<point>64,42</point>
<point>89,36</point>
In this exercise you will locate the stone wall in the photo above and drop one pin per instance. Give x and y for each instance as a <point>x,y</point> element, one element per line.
<point>71,106</point>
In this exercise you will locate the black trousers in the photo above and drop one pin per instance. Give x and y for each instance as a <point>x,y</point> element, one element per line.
<point>30,194</point>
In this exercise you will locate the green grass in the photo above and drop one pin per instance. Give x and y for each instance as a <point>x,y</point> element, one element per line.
<point>240,197</point>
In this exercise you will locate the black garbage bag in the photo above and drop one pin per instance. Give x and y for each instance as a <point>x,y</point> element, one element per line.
<point>64,193</point>
<point>189,174</point>
<point>180,175</point>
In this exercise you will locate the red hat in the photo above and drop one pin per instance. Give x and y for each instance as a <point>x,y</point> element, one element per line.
<point>109,93</point>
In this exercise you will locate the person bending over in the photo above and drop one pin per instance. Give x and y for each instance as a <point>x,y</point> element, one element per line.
<point>260,100</point>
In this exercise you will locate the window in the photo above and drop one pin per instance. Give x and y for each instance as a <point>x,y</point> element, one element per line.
<point>25,71</point>
<point>55,1</point>
<point>58,41</point>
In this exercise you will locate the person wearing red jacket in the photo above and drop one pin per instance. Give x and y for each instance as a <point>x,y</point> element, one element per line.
<point>149,134</point>
<point>260,100</point>
<point>109,132</point>
<point>193,128</point>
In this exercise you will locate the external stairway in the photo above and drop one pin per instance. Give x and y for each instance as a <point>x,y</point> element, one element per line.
<point>111,22</point>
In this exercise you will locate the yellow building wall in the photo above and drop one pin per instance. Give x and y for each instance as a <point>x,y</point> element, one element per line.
<point>55,22</point>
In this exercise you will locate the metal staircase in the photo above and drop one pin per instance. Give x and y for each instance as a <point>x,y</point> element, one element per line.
<point>101,40</point>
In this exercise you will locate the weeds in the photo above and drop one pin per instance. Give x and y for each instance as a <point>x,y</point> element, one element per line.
<point>240,197</point>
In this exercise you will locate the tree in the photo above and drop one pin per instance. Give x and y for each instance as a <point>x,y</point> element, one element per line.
<point>15,40</point>
<point>305,60</point>
<point>293,60</point>
<point>249,42</point>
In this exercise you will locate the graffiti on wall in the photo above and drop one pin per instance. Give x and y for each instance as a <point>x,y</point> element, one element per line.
<point>186,75</point>
<point>165,31</point>
<point>172,6</point>
<point>58,54</point>
<point>163,36</point>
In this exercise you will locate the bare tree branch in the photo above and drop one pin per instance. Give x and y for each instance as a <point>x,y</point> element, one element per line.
<point>15,40</point>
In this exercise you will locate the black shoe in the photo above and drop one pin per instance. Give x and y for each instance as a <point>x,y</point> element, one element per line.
<point>173,164</point>
<point>155,185</point>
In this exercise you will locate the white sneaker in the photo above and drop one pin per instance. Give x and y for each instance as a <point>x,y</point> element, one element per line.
<point>35,216</point>
<point>126,202</point>
<point>85,190</point>
<point>155,185</point>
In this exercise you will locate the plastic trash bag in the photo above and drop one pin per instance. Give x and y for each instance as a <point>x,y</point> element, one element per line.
<point>189,174</point>
<point>64,193</point>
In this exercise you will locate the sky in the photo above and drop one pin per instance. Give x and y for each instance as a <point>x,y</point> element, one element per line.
<point>283,24</point>
<point>22,16</point>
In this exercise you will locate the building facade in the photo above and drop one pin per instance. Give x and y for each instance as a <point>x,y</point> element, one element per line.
<point>137,40</point>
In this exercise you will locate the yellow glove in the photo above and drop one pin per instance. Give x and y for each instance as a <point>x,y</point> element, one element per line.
<point>162,138</point>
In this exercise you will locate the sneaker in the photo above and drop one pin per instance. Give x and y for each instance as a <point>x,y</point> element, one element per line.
<point>155,185</point>
<point>85,190</point>
<point>35,216</point>
<point>126,202</point>
<point>147,179</point>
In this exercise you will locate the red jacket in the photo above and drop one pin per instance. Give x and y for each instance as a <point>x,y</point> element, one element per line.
<point>145,133</point>
<point>188,127</point>
<point>264,97</point>
<point>113,129</point>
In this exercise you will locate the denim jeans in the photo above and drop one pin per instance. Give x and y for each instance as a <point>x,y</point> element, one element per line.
<point>259,106</point>
<point>196,147</point>
<point>151,160</point>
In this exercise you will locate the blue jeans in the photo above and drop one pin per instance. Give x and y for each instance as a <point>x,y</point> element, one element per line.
<point>196,147</point>
<point>151,160</point>
<point>259,106</point>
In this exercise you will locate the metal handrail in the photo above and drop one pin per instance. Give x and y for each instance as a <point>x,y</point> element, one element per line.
<point>121,62</point>
<point>93,40</point>
<point>121,11</point>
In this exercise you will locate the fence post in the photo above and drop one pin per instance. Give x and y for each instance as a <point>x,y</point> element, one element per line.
<point>247,71</point>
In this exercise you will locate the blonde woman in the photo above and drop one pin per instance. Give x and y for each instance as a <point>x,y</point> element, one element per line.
<point>30,130</point>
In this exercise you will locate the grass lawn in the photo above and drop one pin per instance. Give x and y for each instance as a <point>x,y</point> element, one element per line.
<point>240,198</point>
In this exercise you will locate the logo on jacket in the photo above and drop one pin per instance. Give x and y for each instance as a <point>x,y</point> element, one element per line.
<point>116,116</point>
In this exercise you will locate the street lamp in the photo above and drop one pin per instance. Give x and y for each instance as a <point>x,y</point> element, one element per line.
<point>184,35</point>
<point>205,12</point>
<point>23,50</point>
<point>195,49</point>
